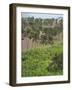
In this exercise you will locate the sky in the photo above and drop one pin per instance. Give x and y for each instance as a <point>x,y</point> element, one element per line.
<point>41,15</point>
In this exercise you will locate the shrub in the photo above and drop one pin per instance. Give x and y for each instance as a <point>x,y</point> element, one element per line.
<point>37,61</point>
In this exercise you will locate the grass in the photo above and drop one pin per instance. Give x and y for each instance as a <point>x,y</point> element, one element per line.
<point>42,61</point>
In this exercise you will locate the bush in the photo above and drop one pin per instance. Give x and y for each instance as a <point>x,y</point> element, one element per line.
<point>37,61</point>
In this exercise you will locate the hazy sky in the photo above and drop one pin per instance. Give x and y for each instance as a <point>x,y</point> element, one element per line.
<point>41,15</point>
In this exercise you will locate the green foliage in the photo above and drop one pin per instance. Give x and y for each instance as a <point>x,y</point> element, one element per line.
<point>42,61</point>
<point>57,63</point>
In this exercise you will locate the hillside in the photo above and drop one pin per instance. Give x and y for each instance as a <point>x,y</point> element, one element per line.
<point>42,47</point>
